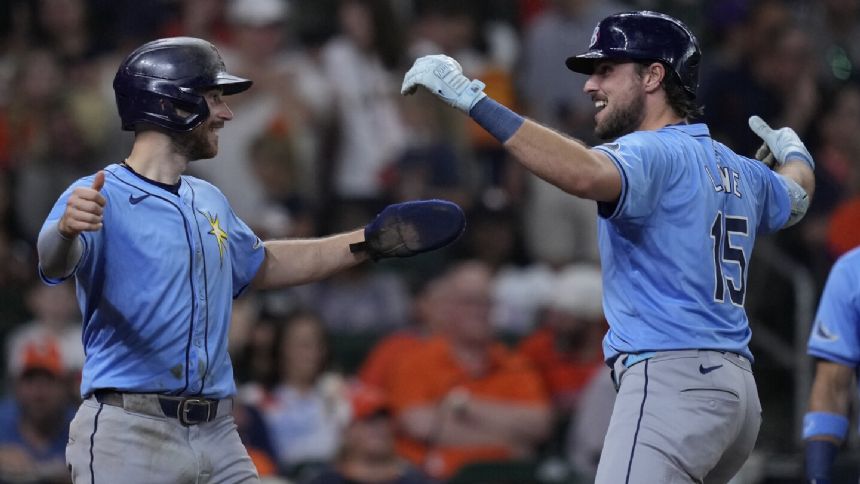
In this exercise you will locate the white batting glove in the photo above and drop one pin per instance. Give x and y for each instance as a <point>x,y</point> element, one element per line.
<point>443,76</point>
<point>781,143</point>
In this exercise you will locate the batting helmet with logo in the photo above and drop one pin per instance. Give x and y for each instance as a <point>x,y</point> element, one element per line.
<point>162,83</point>
<point>644,35</point>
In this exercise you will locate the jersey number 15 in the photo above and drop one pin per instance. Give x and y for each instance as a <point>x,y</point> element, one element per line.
<point>727,253</point>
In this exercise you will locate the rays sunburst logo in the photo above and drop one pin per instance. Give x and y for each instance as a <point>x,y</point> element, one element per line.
<point>217,232</point>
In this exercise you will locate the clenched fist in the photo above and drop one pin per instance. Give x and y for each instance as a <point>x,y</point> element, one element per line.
<point>443,76</point>
<point>84,209</point>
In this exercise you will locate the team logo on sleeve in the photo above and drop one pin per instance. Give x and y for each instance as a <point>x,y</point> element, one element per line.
<point>822,333</point>
<point>217,232</point>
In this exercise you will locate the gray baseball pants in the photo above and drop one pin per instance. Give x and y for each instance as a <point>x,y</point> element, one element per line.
<point>139,445</point>
<point>688,416</point>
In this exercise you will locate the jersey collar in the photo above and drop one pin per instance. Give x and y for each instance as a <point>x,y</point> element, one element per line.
<point>695,129</point>
<point>143,183</point>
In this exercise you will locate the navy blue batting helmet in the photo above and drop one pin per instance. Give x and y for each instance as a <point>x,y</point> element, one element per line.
<point>162,83</point>
<point>646,36</point>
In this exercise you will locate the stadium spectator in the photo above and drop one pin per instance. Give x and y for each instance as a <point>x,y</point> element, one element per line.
<point>519,287</point>
<point>34,422</point>
<point>366,132</point>
<point>379,367</point>
<point>289,212</point>
<point>307,409</point>
<point>566,349</point>
<point>55,321</point>
<point>368,455</point>
<point>463,396</point>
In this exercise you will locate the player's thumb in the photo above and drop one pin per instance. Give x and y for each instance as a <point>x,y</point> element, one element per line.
<point>760,127</point>
<point>99,181</point>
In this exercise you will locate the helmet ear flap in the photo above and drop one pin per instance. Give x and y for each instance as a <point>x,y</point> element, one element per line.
<point>175,113</point>
<point>170,109</point>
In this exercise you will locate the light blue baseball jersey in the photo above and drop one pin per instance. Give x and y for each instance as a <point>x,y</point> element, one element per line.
<point>155,286</point>
<point>836,333</point>
<point>675,248</point>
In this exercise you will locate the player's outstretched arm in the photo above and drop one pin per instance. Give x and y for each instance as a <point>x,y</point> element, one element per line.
<point>399,230</point>
<point>562,161</point>
<point>825,424</point>
<point>59,246</point>
<point>299,261</point>
<point>565,162</point>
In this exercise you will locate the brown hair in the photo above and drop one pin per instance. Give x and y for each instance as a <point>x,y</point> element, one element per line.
<point>682,102</point>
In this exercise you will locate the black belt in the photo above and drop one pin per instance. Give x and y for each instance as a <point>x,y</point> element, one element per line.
<point>188,410</point>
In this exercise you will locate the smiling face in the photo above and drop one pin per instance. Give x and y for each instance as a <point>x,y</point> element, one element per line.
<point>619,95</point>
<point>202,142</point>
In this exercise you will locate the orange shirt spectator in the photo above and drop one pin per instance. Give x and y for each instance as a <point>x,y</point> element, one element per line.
<point>432,374</point>
<point>567,349</point>
<point>377,368</point>
<point>565,374</point>
<point>843,234</point>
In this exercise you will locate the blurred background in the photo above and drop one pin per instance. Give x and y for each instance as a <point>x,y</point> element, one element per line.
<point>356,370</point>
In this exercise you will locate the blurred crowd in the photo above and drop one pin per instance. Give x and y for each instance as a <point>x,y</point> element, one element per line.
<point>399,371</point>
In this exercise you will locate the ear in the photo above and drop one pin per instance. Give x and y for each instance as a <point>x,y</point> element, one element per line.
<point>654,75</point>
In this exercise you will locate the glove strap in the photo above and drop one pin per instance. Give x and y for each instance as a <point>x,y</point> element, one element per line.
<point>358,247</point>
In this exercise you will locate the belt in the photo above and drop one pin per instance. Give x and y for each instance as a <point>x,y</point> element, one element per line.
<point>188,410</point>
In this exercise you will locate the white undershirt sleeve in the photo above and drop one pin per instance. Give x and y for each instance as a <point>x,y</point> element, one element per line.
<point>58,256</point>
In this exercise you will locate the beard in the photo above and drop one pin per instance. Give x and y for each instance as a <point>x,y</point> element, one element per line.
<point>622,120</point>
<point>195,144</point>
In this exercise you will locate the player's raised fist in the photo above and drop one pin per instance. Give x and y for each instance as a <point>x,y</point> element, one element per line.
<point>443,76</point>
<point>84,209</point>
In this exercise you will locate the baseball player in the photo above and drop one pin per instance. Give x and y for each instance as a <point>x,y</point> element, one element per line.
<point>158,257</point>
<point>835,343</point>
<point>678,216</point>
